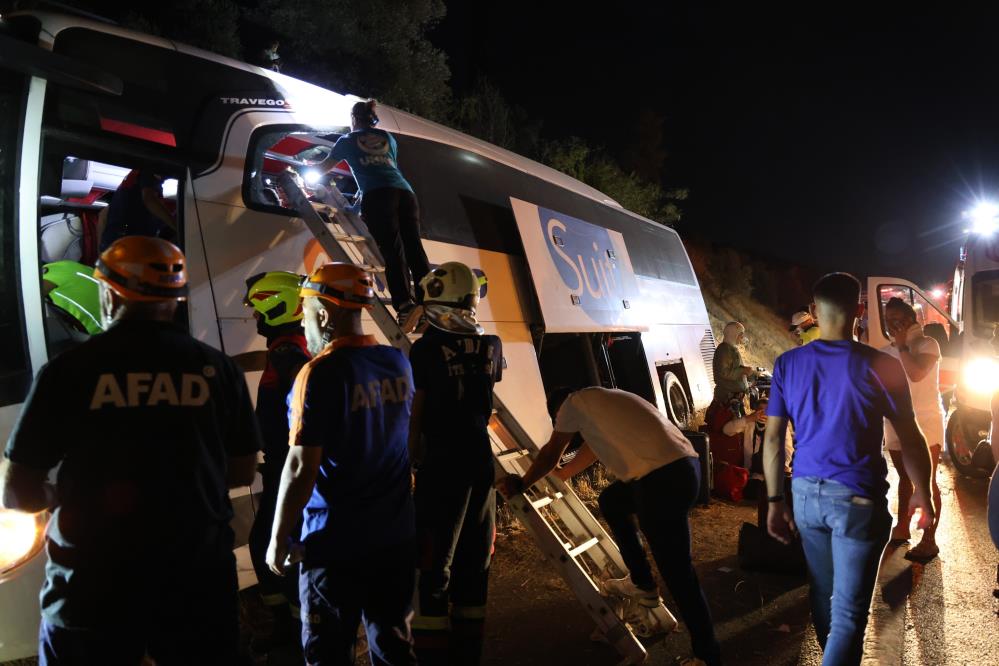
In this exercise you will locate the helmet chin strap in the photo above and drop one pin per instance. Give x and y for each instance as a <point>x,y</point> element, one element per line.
<point>329,331</point>
<point>328,335</point>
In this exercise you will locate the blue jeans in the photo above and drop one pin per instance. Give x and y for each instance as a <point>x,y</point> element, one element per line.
<point>843,535</point>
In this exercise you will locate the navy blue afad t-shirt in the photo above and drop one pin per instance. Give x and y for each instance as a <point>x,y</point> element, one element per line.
<point>837,393</point>
<point>354,400</point>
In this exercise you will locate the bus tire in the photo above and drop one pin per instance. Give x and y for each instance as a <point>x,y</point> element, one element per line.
<point>678,407</point>
<point>961,445</point>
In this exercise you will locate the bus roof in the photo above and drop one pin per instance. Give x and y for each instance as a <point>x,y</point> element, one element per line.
<point>54,23</point>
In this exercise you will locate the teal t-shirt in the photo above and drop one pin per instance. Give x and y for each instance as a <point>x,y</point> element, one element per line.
<point>371,155</point>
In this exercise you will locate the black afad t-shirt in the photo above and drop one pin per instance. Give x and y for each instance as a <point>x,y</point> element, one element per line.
<point>142,418</point>
<point>457,372</point>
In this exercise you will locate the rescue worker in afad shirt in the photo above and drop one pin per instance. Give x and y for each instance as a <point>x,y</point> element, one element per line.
<point>151,428</point>
<point>348,468</point>
<point>455,367</point>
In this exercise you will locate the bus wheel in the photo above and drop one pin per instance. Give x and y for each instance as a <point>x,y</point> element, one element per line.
<point>677,405</point>
<point>961,445</point>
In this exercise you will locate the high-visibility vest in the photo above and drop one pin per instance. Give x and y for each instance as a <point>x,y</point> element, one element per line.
<point>76,292</point>
<point>810,335</point>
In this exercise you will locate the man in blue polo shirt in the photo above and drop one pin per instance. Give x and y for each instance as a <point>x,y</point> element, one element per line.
<point>348,467</point>
<point>837,392</point>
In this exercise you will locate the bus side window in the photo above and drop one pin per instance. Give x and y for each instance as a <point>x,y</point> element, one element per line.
<point>306,154</point>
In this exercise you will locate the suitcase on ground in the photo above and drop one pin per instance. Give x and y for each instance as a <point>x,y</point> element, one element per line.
<point>702,445</point>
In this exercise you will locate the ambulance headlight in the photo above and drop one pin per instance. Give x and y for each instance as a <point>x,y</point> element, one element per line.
<point>21,537</point>
<point>981,376</point>
<point>984,218</point>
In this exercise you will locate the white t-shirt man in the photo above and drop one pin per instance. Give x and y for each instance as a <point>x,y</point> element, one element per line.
<point>925,393</point>
<point>625,432</point>
<point>752,440</point>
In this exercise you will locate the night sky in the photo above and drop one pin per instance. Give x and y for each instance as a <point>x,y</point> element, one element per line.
<point>848,140</point>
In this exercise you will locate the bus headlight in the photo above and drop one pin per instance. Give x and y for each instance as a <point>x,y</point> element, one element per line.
<point>21,537</point>
<point>981,376</point>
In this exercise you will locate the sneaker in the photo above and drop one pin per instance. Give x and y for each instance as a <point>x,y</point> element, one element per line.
<point>408,316</point>
<point>624,587</point>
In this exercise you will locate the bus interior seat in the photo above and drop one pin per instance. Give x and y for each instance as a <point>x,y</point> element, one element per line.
<point>61,237</point>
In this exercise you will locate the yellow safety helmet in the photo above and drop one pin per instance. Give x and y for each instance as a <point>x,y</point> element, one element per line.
<point>275,295</point>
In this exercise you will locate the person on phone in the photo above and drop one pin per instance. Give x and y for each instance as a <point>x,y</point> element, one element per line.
<point>920,358</point>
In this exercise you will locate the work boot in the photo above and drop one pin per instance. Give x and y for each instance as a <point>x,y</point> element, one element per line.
<point>624,587</point>
<point>408,316</point>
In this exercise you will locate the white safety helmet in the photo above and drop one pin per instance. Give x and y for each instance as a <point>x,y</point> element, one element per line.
<point>451,297</point>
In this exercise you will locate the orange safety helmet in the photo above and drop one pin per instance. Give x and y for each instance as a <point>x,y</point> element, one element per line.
<point>144,268</point>
<point>346,285</point>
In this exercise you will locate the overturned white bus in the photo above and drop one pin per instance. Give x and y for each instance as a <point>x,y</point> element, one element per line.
<point>581,291</point>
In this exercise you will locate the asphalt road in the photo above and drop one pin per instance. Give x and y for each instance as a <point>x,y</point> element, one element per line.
<point>937,614</point>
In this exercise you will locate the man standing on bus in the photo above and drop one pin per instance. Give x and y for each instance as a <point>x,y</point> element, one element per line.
<point>389,208</point>
<point>151,428</point>
<point>277,307</point>
<point>455,368</point>
<point>348,468</point>
<point>658,479</point>
<point>837,393</point>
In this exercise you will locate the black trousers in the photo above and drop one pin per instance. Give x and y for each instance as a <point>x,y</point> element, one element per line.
<point>393,216</point>
<point>661,500</point>
<point>376,588</point>
<point>274,590</point>
<point>456,528</point>
<point>192,618</point>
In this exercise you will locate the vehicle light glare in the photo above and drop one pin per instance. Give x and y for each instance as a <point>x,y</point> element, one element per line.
<point>981,375</point>
<point>20,534</point>
<point>983,218</point>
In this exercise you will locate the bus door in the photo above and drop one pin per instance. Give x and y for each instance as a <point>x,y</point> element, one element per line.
<point>590,303</point>
<point>25,72</point>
